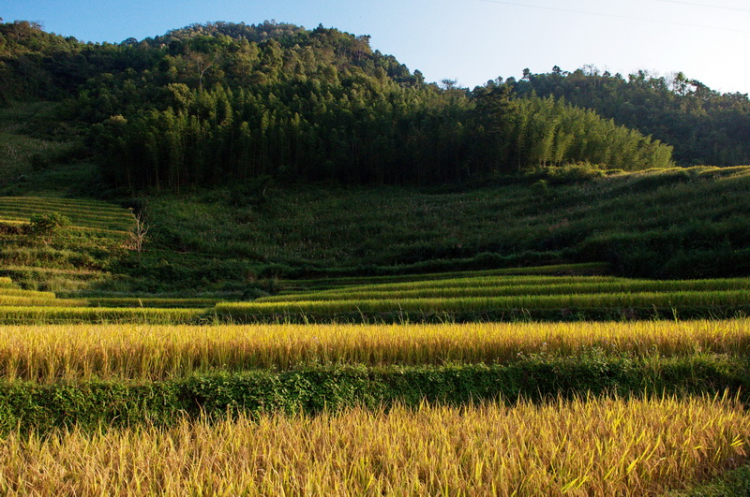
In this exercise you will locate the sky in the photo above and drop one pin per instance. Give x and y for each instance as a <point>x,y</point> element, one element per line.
<point>470,41</point>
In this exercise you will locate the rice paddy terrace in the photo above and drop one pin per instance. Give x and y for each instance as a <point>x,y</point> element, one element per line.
<point>77,254</point>
<point>453,376</point>
<point>499,295</point>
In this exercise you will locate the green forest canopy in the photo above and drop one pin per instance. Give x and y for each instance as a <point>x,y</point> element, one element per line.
<point>221,102</point>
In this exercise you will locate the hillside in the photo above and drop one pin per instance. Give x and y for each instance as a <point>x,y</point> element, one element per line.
<point>259,152</point>
<point>220,103</point>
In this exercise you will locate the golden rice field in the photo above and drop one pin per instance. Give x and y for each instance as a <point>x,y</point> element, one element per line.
<point>593,447</point>
<point>140,351</point>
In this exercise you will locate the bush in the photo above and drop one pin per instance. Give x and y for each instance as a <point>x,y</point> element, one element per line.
<point>46,226</point>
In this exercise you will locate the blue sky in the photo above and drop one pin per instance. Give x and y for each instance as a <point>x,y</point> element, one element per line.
<point>470,41</point>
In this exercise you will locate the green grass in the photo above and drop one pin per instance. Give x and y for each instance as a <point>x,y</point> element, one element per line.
<point>356,282</point>
<point>658,224</point>
<point>7,292</point>
<point>478,304</point>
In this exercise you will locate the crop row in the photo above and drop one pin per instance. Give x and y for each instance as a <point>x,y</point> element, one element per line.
<point>461,282</point>
<point>517,287</point>
<point>739,299</point>
<point>49,353</point>
<point>14,291</point>
<point>152,302</point>
<point>55,314</point>
<point>81,208</point>
<point>25,301</point>
<point>592,268</point>
<point>585,447</point>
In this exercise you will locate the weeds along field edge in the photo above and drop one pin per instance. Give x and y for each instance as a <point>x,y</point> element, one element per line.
<point>141,351</point>
<point>587,446</point>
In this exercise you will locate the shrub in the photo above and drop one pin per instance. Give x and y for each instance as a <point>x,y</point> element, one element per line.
<point>46,226</point>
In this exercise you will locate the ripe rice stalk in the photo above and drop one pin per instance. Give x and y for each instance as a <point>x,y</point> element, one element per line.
<point>152,352</point>
<point>584,447</point>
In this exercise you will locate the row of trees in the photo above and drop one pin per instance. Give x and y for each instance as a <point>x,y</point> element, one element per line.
<point>404,136</point>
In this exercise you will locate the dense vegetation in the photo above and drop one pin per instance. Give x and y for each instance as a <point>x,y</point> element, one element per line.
<point>208,104</point>
<point>703,125</point>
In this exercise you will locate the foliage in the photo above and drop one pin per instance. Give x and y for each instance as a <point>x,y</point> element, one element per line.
<point>226,103</point>
<point>705,126</point>
<point>46,226</point>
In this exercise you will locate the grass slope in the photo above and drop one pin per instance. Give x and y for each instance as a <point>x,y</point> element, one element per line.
<point>660,224</point>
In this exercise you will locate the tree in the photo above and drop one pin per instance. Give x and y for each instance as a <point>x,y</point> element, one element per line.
<point>138,233</point>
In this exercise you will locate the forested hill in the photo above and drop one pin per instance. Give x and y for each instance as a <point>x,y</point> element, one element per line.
<point>208,104</point>
<point>705,126</point>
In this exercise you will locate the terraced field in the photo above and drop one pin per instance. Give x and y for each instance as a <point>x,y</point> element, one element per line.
<point>18,306</point>
<point>636,407</point>
<point>72,259</point>
<point>87,215</point>
<point>505,297</point>
<point>540,408</point>
<point>461,298</point>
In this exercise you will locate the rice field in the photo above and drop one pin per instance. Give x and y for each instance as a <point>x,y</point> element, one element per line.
<point>738,299</point>
<point>49,353</point>
<point>586,447</point>
<point>74,314</point>
<point>84,214</point>
<point>200,303</point>
<point>514,286</point>
<point>127,358</point>
<point>589,269</point>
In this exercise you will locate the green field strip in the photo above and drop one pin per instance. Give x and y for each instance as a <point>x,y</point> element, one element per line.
<point>76,214</point>
<point>65,315</point>
<point>60,202</point>
<point>77,223</point>
<point>153,302</point>
<point>108,231</point>
<point>25,293</point>
<point>505,289</point>
<point>478,304</point>
<point>347,281</point>
<point>23,301</point>
<point>475,282</point>
<point>78,211</point>
<point>22,272</point>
